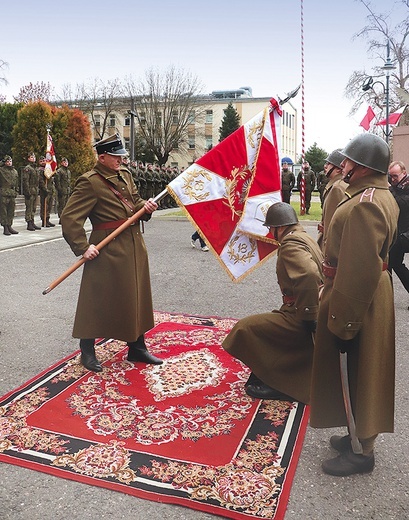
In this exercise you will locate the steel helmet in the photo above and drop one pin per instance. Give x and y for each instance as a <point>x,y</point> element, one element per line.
<point>335,158</point>
<point>368,150</point>
<point>280,214</point>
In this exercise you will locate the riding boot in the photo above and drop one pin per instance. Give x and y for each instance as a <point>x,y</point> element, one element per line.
<point>30,225</point>
<point>6,230</point>
<point>138,352</point>
<point>12,231</point>
<point>88,358</point>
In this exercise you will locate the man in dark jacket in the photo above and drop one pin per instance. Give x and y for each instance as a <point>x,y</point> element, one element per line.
<point>399,188</point>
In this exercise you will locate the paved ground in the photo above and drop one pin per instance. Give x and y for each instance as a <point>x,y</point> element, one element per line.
<point>36,332</point>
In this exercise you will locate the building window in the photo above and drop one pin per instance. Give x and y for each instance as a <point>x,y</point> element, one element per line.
<point>97,119</point>
<point>209,116</point>
<point>192,116</point>
<point>127,121</point>
<point>209,142</point>
<point>127,143</point>
<point>112,120</point>
<point>158,118</point>
<point>191,143</point>
<point>175,118</point>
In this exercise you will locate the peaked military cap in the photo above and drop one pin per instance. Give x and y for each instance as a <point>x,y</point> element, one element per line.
<point>111,145</point>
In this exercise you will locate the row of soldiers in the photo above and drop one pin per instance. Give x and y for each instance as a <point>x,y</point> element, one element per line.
<point>34,182</point>
<point>152,179</point>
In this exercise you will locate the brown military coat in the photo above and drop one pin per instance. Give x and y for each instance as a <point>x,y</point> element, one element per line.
<point>115,295</point>
<point>334,192</point>
<point>358,302</point>
<point>275,345</point>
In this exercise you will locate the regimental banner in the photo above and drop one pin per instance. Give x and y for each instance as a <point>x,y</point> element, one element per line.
<point>51,161</point>
<point>227,192</point>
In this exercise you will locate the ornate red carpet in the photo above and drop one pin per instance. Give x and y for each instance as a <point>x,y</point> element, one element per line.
<point>183,432</point>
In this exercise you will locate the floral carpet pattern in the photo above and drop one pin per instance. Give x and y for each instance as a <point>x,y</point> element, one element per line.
<point>184,432</point>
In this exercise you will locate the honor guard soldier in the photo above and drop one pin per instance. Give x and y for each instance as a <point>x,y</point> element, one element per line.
<point>278,346</point>
<point>62,183</point>
<point>356,314</point>
<point>46,193</point>
<point>309,178</point>
<point>8,194</point>
<point>30,190</point>
<point>287,182</point>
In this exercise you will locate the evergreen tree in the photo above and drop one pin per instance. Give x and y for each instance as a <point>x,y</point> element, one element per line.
<point>230,122</point>
<point>316,157</point>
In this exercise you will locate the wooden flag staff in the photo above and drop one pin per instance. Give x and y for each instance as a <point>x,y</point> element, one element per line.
<point>102,244</point>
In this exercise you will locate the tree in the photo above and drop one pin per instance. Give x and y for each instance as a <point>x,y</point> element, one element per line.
<point>30,131</point>
<point>316,157</point>
<point>8,118</point>
<point>3,66</point>
<point>230,122</point>
<point>380,29</point>
<point>167,106</point>
<point>72,138</point>
<point>100,100</point>
<point>33,92</point>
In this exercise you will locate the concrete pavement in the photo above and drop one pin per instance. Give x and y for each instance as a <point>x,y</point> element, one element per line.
<point>36,332</point>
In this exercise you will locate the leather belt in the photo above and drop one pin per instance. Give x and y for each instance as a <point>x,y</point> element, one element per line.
<point>288,300</point>
<point>330,271</point>
<point>109,225</point>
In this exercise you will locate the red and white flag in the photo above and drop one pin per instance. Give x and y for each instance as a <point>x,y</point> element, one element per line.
<point>51,161</point>
<point>366,121</point>
<point>228,191</point>
<point>394,117</point>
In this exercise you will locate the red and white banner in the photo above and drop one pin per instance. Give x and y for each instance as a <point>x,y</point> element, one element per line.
<point>394,117</point>
<point>51,161</point>
<point>366,121</point>
<point>228,191</point>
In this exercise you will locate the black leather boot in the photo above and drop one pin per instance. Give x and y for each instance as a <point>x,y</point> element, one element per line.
<point>88,359</point>
<point>36,227</point>
<point>6,231</point>
<point>138,352</point>
<point>49,224</point>
<point>12,231</point>
<point>30,225</point>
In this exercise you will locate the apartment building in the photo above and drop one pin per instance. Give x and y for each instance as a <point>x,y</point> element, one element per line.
<point>204,135</point>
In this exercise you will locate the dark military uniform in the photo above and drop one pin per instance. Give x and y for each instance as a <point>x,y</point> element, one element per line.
<point>62,183</point>
<point>309,177</point>
<point>46,196</point>
<point>30,192</point>
<point>8,194</point>
<point>275,345</point>
<point>287,184</point>
<point>322,181</point>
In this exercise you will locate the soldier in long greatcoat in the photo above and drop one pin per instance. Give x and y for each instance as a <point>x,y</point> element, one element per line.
<point>115,298</point>
<point>278,345</point>
<point>357,309</point>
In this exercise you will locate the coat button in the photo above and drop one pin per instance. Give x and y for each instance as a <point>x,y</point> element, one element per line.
<point>332,316</point>
<point>349,325</point>
<point>307,309</point>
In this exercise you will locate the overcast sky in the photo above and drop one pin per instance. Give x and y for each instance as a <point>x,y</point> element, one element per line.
<point>226,44</point>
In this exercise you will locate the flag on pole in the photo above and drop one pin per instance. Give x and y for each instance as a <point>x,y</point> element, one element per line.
<point>366,121</point>
<point>51,161</point>
<point>227,192</point>
<point>394,117</point>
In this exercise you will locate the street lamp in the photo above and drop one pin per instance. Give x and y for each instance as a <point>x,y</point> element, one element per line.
<point>369,83</point>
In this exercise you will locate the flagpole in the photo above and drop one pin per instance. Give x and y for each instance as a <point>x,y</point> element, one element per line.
<point>102,244</point>
<point>302,183</point>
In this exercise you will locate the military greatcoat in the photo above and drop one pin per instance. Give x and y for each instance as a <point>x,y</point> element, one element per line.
<point>275,345</point>
<point>334,192</point>
<point>358,303</point>
<point>115,295</point>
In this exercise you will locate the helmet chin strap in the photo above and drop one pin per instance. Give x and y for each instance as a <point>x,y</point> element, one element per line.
<point>349,175</point>
<point>330,171</point>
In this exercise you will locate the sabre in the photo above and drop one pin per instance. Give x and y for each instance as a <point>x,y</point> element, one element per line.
<point>355,443</point>
<point>102,244</point>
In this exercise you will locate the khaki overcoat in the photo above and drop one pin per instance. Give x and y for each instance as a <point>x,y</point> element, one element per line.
<point>275,345</point>
<point>358,303</point>
<point>334,192</point>
<point>115,298</point>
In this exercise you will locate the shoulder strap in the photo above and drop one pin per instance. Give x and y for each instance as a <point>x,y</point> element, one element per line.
<point>116,192</point>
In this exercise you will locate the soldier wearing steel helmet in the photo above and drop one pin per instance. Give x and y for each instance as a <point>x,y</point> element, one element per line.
<point>333,193</point>
<point>278,345</point>
<point>356,312</point>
